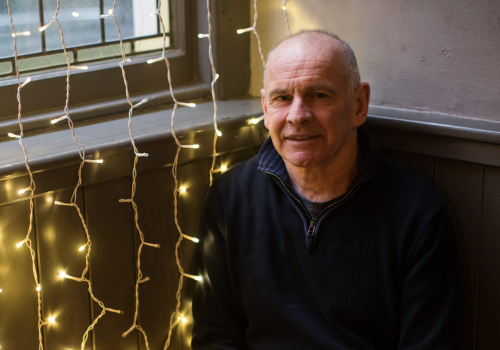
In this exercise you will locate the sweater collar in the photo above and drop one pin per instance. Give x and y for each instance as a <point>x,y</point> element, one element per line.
<point>270,160</point>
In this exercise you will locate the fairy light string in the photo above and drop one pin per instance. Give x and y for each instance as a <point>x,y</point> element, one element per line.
<point>176,315</point>
<point>286,17</point>
<point>215,76</point>
<point>31,188</point>
<point>140,279</point>
<point>253,29</point>
<point>73,200</point>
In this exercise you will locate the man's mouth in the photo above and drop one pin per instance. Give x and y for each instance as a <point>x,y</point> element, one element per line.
<point>300,138</point>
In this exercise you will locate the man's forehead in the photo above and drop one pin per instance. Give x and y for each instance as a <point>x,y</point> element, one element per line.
<point>305,60</point>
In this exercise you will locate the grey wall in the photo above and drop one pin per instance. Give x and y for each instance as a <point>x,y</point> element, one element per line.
<point>432,55</point>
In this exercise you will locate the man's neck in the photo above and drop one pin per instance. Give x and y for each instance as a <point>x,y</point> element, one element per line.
<point>324,182</point>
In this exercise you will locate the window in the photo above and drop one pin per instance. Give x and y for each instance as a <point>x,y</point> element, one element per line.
<point>87,37</point>
<point>99,91</point>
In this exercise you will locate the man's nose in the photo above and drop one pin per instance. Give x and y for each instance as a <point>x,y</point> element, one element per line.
<point>299,112</point>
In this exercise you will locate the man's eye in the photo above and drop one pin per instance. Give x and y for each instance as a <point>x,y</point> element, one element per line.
<point>320,95</point>
<point>282,98</point>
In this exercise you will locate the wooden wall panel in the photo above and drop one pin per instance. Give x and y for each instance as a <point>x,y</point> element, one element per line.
<point>488,322</point>
<point>461,185</point>
<point>18,300</point>
<point>112,260</point>
<point>61,233</point>
<point>157,296</point>
<point>420,164</point>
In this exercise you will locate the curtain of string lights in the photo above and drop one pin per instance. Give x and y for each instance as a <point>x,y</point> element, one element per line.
<point>176,316</point>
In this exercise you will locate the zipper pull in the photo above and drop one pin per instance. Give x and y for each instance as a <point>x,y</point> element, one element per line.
<point>310,236</point>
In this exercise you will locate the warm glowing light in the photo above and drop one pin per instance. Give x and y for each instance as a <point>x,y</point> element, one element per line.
<point>187,104</point>
<point>196,146</point>
<point>223,168</point>
<point>153,60</point>
<point>182,189</point>
<point>241,31</point>
<point>75,14</point>
<point>201,36</point>
<point>24,190</point>
<point>94,161</point>
<point>284,8</point>
<point>62,274</point>
<point>184,320</point>
<point>57,202</point>
<point>218,132</point>
<point>110,11</point>
<point>19,244</point>
<point>13,135</point>
<point>26,33</point>
<point>194,239</point>
<point>46,26</point>
<point>52,319</point>
<point>28,79</point>
<point>196,278</point>
<point>38,288</point>
<point>79,67</point>
<point>1,292</point>
<point>57,120</point>
<point>255,120</point>
<point>81,248</point>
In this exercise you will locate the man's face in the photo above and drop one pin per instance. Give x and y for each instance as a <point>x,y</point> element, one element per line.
<point>310,114</point>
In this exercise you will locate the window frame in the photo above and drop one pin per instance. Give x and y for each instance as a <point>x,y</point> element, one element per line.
<point>98,94</point>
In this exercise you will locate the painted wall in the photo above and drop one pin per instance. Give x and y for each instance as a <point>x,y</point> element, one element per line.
<point>430,55</point>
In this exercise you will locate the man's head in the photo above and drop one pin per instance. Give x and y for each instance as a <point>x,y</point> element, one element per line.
<point>313,100</point>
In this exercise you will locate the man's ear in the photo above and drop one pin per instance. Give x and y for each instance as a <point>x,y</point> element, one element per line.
<point>264,107</point>
<point>361,101</point>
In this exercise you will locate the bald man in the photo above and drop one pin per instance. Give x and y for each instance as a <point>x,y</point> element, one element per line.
<point>319,242</point>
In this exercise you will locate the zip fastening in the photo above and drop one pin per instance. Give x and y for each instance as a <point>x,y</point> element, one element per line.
<point>310,236</point>
<point>311,232</point>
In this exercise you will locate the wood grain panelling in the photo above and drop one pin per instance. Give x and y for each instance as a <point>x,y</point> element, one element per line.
<point>61,233</point>
<point>461,186</point>
<point>488,325</point>
<point>112,260</point>
<point>157,296</point>
<point>420,164</point>
<point>18,300</point>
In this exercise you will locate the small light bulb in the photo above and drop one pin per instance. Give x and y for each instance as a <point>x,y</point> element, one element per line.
<point>52,319</point>
<point>46,26</point>
<point>21,191</point>
<point>223,168</point>
<point>38,288</point>
<point>62,274</point>
<point>201,36</point>
<point>196,240</point>
<point>10,134</point>
<point>284,8</point>
<point>26,33</point>
<point>81,248</point>
<point>218,132</point>
<point>241,31</point>
<point>110,11</point>
<point>57,202</point>
<point>28,79</point>
<point>184,320</point>
<point>198,278</point>
<point>1,292</point>
<point>57,120</point>
<point>75,14</point>
<point>187,104</point>
<point>153,60</point>
<point>182,189</point>
<point>19,244</point>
